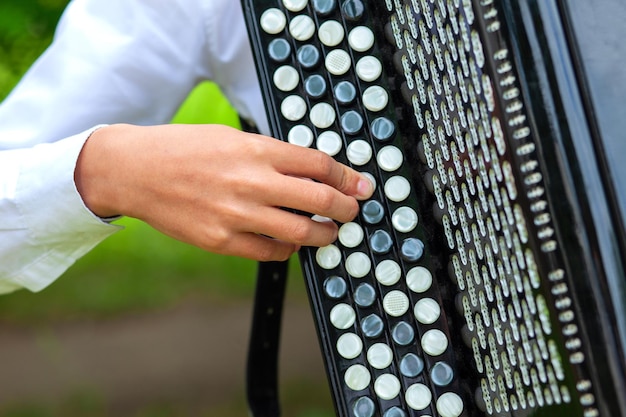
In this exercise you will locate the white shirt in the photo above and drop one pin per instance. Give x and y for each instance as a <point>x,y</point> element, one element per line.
<point>113,61</point>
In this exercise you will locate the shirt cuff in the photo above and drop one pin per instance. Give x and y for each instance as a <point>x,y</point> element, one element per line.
<point>60,228</point>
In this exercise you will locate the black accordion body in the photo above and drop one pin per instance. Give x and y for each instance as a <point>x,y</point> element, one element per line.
<point>485,277</point>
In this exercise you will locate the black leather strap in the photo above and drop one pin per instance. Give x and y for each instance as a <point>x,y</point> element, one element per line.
<point>262,369</point>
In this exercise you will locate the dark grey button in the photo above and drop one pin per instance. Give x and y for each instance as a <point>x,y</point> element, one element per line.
<point>403,333</point>
<point>345,92</point>
<point>364,407</point>
<point>373,212</point>
<point>324,7</point>
<point>442,374</point>
<point>335,287</point>
<point>351,122</point>
<point>411,365</point>
<point>382,129</point>
<point>395,412</point>
<point>364,295</point>
<point>380,242</point>
<point>308,56</point>
<point>315,86</point>
<point>412,249</point>
<point>353,9</point>
<point>279,49</point>
<point>372,326</point>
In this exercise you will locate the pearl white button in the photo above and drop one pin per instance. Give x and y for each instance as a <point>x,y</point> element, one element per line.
<point>286,78</point>
<point>300,135</point>
<point>389,158</point>
<point>361,38</point>
<point>351,235</point>
<point>397,188</point>
<point>358,264</point>
<point>349,345</point>
<point>450,405</point>
<point>404,219</point>
<point>375,98</point>
<point>379,355</point>
<point>357,377</point>
<point>396,303</point>
<point>329,142</point>
<point>418,396</point>
<point>293,108</point>
<point>302,27</point>
<point>331,33</point>
<point>434,342</point>
<point>427,311</point>
<point>369,68</point>
<point>388,272</point>
<point>387,386</point>
<point>342,316</point>
<point>359,152</point>
<point>322,115</point>
<point>328,257</point>
<point>295,5</point>
<point>273,21</point>
<point>419,279</point>
<point>338,62</point>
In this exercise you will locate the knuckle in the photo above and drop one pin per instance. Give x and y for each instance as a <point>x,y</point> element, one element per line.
<point>300,232</point>
<point>325,165</point>
<point>324,200</point>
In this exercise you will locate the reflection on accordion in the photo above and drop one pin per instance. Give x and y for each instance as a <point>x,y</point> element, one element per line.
<point>476,281</point>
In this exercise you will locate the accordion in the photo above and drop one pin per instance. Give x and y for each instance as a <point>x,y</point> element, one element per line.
<point>485,276</point>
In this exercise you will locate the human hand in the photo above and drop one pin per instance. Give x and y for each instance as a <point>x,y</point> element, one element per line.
<point>218,188</point>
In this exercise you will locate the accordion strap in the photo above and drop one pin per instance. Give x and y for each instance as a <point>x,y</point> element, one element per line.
<point>262,367</point>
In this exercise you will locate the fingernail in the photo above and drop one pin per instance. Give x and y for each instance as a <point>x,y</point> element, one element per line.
<point>365,188</point>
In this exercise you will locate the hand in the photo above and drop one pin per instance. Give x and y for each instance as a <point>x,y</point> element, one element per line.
<point>218,188</point>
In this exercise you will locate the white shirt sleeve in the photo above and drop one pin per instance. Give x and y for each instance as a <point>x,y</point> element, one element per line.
<point>113,61</point>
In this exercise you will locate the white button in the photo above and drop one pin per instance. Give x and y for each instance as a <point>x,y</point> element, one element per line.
<point>358,264</point>
<point>322,115</point>
<point>434,342</point>
<point>273,21</point>
<point>404,219</point>
<point>389,158</point>
<point>286,78</point>
<point>302,27</point>
<point>342,316</point>
<point>357,377</point>
<point>300,135</point>
<point>338,62</point>
<point>359,152</point>
<point>418,396</point>
<point>388,272</point>
<point>361,38</point>
<point>396,303</point>
<point>331,33</point>
<point>379,355</point>
<point>295,5</point>
<point>397,188</point>
<point>349,345</point>
<point>427,311</point>
<point>375,98</point>
<point>449,405</point>
<point>351,235</point>
<point>329,142</point>
<point>293,108</point>
<point>419,279</point>
<point>387,386</point>
<point>369,68</point>
<point>328,257</point>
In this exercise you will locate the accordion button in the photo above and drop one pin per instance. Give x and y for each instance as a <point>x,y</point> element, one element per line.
<point>369,68</point>
<point>342,316</point>
<point>308,56</point>
<point>293,108</point>
<point>418,396</point>
<point>357,378</point>
<point>397,188</point>
<point>403,333</point>
<point>427,311</point>
<point>359,152</point>
<point>395,412</point>
<point>329,142</point>
<point>372,212</point>
<point>349,345</point>
<point>419,279</point>
<point>353,9</point>
<point>364,407</point>
<point>351,235</point>
<point>380,242</point>
<point>324,7</point>
<point>396,303</point>
<point>315,86</point>
<point>372,326</point>
<point>361,38</point>
<point>441,374</point>
<point>389,158</point>
<point>382,129</point>
<point>300,135</point>
<point>328,257</point>
<point>279,50</point>
<point>351,122</point>
<point>387,386</point>
<point>412,249</point>
<point>404,219</point>
<point>295,5</point>
<point>335,287</point>
<point>358,265</point>
<point>434,342</point>
<point>450,405</point>
<point>338,62</point>
<point>286,78</point>
<point>379,355</point>
<point>411,365</point>
<point>273,21</point>
<point>345,92</point>
<point>331,33</point>
<point>375,98</point>
<point>364,295</point>
<point>322,115</point>
<point>302,28</point>
<point>388,272</point>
